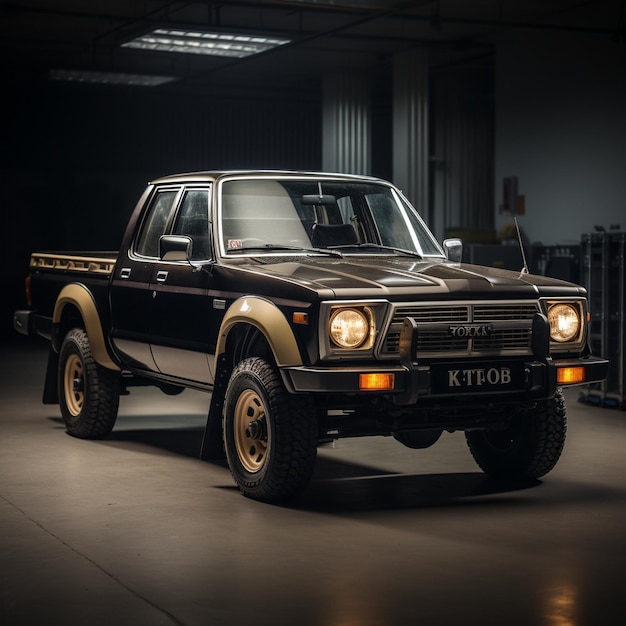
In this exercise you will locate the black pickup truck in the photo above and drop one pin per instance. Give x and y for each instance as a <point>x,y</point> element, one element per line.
<point>311,306</point>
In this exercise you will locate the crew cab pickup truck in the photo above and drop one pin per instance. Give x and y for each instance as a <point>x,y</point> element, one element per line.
<point>312,307</point>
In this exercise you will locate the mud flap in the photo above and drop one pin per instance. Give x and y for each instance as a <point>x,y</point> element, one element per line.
<point>212,441</point>
<point>51,388</point>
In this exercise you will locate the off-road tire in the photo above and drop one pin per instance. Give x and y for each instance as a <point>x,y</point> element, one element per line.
<point>89,394</point>
<point>529,448</point>
<point>273,460</point>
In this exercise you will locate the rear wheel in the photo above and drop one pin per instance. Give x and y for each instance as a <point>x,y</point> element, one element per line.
<point>270,437</point>
<point>88,393</point>
<point>529,447</point>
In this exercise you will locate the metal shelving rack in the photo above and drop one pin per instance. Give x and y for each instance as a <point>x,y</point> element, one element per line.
<point>604,276</point>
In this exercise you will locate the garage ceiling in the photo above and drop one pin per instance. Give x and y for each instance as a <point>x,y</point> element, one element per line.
<point>326,36</point>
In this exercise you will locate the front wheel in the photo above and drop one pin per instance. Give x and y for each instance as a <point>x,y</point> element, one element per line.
<point>89,394</point>
<point>270,437</point>
<point>528,448</point>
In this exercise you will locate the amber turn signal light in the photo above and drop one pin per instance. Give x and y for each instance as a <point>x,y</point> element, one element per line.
<point>376,382</point>
<point>300,318</point>
<point>570,375</point>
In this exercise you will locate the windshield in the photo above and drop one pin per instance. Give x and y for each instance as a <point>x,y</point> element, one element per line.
<point>284,216</point>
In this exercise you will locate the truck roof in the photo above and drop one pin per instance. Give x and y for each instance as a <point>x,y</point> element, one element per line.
<point>214,175</point>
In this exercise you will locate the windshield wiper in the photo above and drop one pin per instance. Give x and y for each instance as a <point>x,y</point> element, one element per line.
<point>278,246</point>
<point>378,246</point>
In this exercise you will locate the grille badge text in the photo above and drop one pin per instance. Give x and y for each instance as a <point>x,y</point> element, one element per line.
<point>471,330</point>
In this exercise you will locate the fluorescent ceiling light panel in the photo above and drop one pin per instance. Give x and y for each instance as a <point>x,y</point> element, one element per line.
<point>110,78</point>
<point>202,42</point>
<point>352,4</point>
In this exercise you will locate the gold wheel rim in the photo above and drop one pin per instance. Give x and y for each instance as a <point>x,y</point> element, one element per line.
<point>252,451</point>
<point>73,385</point>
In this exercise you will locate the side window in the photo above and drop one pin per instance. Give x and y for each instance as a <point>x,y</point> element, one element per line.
<point>155,223</point>
<point>193,221</point>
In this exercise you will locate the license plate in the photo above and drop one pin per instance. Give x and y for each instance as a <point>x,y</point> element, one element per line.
<point>476,377</point>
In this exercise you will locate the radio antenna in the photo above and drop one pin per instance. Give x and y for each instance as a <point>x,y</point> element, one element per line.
<point>521,246</point>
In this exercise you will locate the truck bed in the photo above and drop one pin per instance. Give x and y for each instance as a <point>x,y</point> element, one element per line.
<point>50,272</point>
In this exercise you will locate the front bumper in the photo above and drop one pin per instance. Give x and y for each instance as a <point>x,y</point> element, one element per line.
<point>532,379</point>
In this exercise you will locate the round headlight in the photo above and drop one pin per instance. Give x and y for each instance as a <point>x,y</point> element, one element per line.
<point>349,328</point>
<point>564,322</point>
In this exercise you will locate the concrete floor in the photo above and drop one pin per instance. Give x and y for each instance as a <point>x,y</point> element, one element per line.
<point>137,530</point>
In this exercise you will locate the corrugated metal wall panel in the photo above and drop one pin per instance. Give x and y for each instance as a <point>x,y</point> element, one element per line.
<point>90,151</point>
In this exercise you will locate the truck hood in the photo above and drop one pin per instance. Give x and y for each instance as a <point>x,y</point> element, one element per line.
<point>376,277</point>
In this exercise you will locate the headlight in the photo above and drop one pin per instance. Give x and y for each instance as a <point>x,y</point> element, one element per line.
<point>349,328</point>
<point>565,322</point>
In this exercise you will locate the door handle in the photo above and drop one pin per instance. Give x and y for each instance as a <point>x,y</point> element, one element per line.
<point>125,272</point>
<point>161,276</point>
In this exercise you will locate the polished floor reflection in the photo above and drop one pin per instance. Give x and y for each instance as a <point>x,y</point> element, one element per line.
<point>137,530</point>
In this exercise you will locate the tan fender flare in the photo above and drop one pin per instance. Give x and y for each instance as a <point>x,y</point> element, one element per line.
<point>270,320</point>
<point>79,296</point>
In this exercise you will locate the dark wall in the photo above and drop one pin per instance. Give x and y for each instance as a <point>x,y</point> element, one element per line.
<point>75,158</point>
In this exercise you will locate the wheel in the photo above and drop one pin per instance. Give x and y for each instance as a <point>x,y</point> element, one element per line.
<point>88,393</point>
<point>529,448</point>
<point>270,437</point>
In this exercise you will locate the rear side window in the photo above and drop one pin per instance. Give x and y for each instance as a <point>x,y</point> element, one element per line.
<point>155,223</point>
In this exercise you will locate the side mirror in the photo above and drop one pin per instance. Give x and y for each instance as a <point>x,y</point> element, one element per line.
<point>175,248</point>
<point>453,249</point>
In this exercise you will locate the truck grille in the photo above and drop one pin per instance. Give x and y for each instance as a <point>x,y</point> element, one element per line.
<point>435,340</point>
